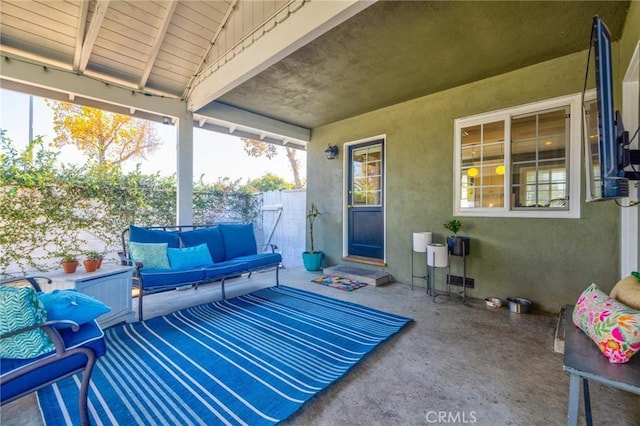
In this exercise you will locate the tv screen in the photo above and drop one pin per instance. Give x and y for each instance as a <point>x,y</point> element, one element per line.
<point>604,148</point>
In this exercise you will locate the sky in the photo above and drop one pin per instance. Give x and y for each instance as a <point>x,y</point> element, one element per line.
<point>215,155</point>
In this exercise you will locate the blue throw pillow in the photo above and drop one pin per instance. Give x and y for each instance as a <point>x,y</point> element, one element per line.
<point>152,255</point>
<point>239,240</point>
<point>71,305</point>
<point>189,258</point>
<point>209,236</point>
<point>144,235</point>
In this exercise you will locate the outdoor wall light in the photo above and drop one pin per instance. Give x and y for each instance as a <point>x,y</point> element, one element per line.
<point>331,152</point>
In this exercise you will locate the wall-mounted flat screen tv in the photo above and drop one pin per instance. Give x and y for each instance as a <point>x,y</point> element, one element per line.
<point>605,141</point>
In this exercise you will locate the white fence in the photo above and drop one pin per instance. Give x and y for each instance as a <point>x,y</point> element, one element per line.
<point>284,224</point>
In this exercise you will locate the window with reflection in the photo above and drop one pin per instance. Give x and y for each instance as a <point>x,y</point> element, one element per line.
<point>539,145</point>
<point>519,161</point>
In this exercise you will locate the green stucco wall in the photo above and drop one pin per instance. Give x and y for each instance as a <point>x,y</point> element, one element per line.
<point>549,261</point>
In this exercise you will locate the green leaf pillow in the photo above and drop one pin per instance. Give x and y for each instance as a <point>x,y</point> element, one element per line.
<point>152,255</point>
<point>20,308</point>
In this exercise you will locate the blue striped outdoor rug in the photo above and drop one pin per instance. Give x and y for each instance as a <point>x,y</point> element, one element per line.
<point>250,360</point>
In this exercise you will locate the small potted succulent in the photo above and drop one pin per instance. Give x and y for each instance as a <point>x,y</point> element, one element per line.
<point>92,261</point>
<point>69,263</point>
<point>458,246</point>
<point>312,259</point>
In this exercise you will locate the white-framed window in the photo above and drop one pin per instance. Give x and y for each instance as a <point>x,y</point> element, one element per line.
<point>520,162</point>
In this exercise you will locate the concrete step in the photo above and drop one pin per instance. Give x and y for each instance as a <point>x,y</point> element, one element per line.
<point>363,275</point>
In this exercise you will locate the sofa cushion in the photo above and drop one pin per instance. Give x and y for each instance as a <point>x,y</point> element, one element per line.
<point>256,261</point>
<point>239,240</point>
<point>167,278</point>
<point>72,305</point>
<point>20,308</point>
<point>152,255</point>
<point>209,236</point>
<point>89,335</point>
<point>613,326</point>
<point>225,269</point>
<point>144,235</point>
<point>189,257</point>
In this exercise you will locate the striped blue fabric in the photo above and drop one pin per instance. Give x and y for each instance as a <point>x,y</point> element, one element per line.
<point>251,360</point>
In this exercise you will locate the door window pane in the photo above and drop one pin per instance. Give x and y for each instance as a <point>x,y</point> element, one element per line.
<point>367,176</point>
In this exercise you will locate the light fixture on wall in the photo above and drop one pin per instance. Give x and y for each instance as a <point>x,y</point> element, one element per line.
<point>472,172</point>
<point>500,169</point>
<point>331,152</point>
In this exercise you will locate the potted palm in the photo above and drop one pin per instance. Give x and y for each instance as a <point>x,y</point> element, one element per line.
<point>312,259</point>
<point>457,245</point>
<point>69,263</point>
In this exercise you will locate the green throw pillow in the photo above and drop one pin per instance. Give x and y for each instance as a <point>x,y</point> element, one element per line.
<point>152,255</point>
<point>20,308</point>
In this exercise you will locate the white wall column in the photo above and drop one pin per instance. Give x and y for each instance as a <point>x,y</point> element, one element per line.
<point>630,217</point>
<point>184,172</point>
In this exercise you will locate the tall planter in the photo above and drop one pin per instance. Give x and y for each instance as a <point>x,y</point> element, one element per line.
<point>312,260</point>
<point>457,244</point>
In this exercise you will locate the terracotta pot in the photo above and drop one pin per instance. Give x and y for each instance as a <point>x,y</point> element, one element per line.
<point>90,265</point>
<point>99,263</point>
<point>69,267</point>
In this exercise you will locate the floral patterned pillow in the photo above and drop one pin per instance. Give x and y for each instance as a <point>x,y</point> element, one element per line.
<point>613,326</point>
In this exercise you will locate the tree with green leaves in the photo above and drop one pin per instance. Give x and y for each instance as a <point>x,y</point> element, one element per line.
<point>270,182</point>
<point>258,149</point>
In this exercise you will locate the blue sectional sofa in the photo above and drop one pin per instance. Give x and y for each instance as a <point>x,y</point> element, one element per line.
<point>169,257</point>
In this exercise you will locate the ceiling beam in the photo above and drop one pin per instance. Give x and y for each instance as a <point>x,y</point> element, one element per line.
<point>308,22</point>
<point>157,43</point>
<point>70,83</point>
<point>92,34</point>
<point>82,24</point>
<point>235,117</point>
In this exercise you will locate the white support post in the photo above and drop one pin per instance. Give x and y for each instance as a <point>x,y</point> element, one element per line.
<point>185,169</point>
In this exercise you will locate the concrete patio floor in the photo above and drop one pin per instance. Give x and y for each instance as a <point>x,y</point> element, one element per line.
<point>456,364</point>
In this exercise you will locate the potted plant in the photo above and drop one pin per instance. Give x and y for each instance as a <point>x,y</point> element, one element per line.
<point>458,246</point>
<point>312,259</point>
<point>69,263</point>
<point>92,261</point>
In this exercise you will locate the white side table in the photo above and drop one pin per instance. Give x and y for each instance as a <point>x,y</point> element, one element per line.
<point>111,284</point>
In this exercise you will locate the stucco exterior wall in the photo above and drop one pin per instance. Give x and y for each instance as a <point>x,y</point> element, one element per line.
<point>549,261</point>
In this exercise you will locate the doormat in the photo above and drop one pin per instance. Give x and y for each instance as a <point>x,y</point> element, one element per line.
<point>338,282</point>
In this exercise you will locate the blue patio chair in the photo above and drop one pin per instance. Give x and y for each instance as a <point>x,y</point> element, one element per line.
<point>77,347</point>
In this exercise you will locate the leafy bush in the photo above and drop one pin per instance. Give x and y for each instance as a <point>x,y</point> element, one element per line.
<point>47,208</point>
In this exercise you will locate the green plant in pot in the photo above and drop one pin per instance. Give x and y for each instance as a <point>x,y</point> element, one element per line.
<point>312,259</point>
<point>69,263</point>
<point>92,261</point>
<point>457,245</point>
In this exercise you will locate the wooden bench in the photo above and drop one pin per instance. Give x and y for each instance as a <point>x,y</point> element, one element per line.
<point>584,362</point>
